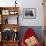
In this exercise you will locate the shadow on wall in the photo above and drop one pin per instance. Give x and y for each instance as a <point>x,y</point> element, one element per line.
<point>37,29</point>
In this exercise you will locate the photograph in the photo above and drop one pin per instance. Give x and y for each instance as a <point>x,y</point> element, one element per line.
<point>29,13</point>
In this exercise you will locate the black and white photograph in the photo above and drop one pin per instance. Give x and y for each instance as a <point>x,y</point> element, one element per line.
<point>29,13</point>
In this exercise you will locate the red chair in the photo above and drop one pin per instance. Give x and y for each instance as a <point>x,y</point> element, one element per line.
<point>29,33</point>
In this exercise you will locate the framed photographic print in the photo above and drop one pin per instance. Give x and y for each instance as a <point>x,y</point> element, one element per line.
<point>12,20</point>
<point>9,19</point>
<point>5,12</point>
<point>13,12</point>
<point>29,13</point>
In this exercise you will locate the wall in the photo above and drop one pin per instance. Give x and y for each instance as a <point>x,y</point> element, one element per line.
<point>27,4</point>
<point>7,3</point>
<point>38,21</point>
<point>36,29</point>
<point>39,13</point>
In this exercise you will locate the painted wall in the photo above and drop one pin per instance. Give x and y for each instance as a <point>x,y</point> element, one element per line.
<point>36,29</point>
<point>39,13</point>
<point>38,21</point>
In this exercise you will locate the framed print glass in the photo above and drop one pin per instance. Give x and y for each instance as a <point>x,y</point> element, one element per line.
<point>12,20</point>
<point>5,12</point>
<point>13,12</point>
<point>29,13</point>
<point>9,19</point>
<point>7,34</point>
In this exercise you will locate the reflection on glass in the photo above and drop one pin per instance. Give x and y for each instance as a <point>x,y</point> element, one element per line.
<point>9,34</point>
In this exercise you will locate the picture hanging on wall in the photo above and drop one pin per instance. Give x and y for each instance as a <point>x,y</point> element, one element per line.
<point>29,13</point>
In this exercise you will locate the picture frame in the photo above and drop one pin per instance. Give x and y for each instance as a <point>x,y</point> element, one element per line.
<point>29,13</point>
<point>13,12</point>
<point>5,12</point>
<point>13,20</point>
<point>10,19</point>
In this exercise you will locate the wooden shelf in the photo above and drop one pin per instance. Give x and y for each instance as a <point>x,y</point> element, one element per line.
<point>3,8</point>
<point>9,43</point>
<point>5,25</point>
<point>10,9</point>
<point>6,13</point>
<point>10,26</point>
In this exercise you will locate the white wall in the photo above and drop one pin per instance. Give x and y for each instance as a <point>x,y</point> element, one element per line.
<point>39,13</point>
<point>7,3</point>
<point>27,4</point>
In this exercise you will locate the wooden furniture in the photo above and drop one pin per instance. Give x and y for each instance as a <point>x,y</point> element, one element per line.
<point>0,43</point>
<point>10,43</point>
<point>6,12</point>
<point>5,23</point>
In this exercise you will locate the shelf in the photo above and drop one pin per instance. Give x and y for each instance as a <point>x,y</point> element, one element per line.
<point>9,10</point>
<point>5,8</point>
<point>6,12</point>
<point>11,41</point>
<point>10,26</point>
<point>8,15</point>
